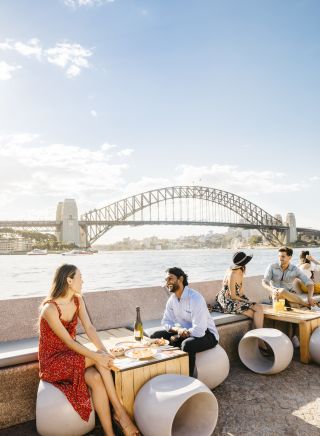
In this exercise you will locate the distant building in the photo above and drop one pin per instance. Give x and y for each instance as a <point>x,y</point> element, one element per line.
<point>9,245</point>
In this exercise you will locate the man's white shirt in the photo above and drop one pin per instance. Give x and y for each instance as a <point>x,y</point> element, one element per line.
<point>190,312</point>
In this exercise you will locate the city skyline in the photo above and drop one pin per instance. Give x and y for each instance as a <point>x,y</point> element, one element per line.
<point>124,97</point>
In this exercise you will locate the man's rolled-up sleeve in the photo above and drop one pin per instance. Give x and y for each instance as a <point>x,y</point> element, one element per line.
<point>268,276</point>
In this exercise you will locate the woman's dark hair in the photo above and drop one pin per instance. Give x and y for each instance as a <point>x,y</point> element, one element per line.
<point>303,256</point>
<point>59,285</point>
<point>286,250</point>
<point>178,272</point>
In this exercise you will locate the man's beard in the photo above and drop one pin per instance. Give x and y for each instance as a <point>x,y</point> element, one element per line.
<point>173,288</point>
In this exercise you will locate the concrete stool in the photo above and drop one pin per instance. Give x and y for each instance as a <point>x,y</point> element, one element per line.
<point>175,405</point>
<point>56,417</point>
<point>212,366</point>
<point>314,345</point>
<point>251,356</point>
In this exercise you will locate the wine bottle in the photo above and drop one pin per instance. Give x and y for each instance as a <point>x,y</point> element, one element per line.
<point>138,327</point>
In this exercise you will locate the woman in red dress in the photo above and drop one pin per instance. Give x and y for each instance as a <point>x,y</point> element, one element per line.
<point>70,366</point>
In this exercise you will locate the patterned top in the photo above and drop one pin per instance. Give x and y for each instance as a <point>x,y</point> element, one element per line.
<point>225,303</point>
<point>63,367</point>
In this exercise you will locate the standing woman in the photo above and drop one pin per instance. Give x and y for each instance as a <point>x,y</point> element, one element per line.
<point>231,298</point>
<point>70,366</point>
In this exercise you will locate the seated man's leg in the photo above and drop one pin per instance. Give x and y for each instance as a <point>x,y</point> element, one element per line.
<point>195,345</point>
<point>293,298</point>
<point>161,334</point>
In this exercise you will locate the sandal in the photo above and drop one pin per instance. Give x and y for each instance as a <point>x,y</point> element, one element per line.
<point>125,424</point>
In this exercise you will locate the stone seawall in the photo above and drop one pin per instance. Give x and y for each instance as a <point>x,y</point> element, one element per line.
<point>109,309</point>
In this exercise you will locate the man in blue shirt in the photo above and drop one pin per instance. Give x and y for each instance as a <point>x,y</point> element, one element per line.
<point>279,280</point>
<point>187,322</point>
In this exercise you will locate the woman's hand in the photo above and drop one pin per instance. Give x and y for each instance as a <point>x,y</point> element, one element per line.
<point>104,359</point>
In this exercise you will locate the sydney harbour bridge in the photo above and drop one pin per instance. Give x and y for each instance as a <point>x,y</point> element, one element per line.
<point>175,205</point>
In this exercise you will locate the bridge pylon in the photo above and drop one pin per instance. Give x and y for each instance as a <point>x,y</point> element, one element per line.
<point>291,233</point>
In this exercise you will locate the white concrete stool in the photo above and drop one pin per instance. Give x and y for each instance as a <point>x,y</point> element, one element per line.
<point>212,366</point>
<point>55,416</point>
<point>314,345</point>
<point>175,405</point>
<point>253,359</point>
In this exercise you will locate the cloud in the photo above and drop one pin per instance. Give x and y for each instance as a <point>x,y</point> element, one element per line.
<point>29,49</point>
<point>71,57</point>
<point>6,70</point>
<point>36,174</point>
<point>93,113</point>
<point>146,184</point>
<point>106,146</point>
<point>232,178</point>
<point>125,152</point>
<point>79,3</point>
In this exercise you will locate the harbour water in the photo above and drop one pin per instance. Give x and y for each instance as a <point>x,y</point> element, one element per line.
<point>23,276</point>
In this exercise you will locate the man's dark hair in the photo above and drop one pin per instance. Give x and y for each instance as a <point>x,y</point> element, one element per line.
<point>286,250</point>
<point>178,272</point>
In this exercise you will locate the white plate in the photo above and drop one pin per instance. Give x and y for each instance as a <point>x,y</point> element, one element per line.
<point>128,344</point>
<point>141,353</point>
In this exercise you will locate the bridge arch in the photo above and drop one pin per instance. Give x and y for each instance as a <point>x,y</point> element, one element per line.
<point>98,221</point>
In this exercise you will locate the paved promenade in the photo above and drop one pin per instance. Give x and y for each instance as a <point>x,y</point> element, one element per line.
<point>283,404</point>
<point>251,404</point>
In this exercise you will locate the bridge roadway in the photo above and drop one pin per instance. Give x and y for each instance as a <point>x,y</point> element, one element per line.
<point>57,224</point>
<point>84,224</point>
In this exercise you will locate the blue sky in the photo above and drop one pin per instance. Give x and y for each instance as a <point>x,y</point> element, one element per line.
<point>103,99</point>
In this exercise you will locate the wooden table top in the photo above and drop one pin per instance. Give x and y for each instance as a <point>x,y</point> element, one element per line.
<point>114,337</point>
<point>294,315</point>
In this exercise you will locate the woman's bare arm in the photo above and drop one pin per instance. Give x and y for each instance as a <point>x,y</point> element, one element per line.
<point>89,327</point>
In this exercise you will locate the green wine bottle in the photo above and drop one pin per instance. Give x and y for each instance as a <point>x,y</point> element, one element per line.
<point>138,327</point>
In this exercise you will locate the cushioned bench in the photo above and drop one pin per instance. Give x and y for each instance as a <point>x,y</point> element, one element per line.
<point>17,352</point>
<point>153,325</point>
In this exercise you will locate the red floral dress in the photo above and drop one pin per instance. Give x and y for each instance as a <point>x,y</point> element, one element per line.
<point>63,367</point>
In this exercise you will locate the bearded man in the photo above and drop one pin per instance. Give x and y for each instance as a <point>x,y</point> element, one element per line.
<point>187,322</point>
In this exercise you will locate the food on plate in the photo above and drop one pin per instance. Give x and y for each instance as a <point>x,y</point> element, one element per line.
<point>117,351</point>
<point>141,353</point>
<point>160,342</point>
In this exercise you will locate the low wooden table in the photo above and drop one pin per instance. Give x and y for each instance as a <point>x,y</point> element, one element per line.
<point>131,374</point>
<point>306,320</point>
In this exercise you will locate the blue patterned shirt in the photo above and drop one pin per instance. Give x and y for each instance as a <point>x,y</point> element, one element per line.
<point>277,278</point>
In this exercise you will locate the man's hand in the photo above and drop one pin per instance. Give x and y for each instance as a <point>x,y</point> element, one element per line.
<point>183,333</point>
<point>311,301</point>
<point>276,293</point>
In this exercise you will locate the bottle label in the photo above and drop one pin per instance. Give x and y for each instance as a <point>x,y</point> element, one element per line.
<point>137,335</point>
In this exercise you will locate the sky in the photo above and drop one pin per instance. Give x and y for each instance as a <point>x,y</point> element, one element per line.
<point>104,99</point>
